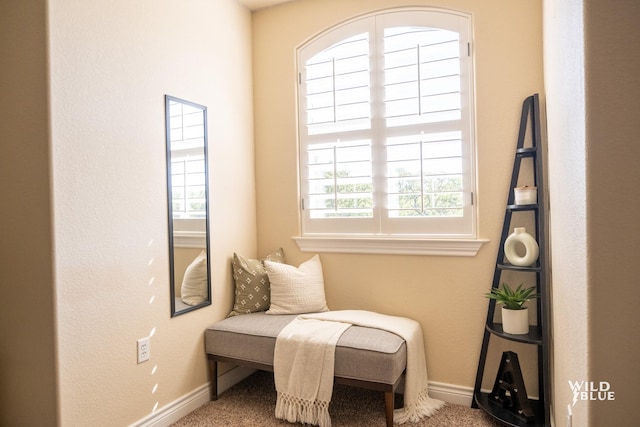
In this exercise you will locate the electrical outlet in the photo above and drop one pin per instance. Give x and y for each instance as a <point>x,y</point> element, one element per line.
<point>144,349</point>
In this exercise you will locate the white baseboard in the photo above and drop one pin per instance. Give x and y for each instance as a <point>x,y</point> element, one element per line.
<point>177,409</point>
<point>182,406</point>
<point>451,393</point>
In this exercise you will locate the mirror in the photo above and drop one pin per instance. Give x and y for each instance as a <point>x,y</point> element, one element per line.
<point>188,202</point>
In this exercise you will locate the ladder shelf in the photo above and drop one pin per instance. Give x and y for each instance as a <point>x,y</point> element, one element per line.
<point>508,401</point>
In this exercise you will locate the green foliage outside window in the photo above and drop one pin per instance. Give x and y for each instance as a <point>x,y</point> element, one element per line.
<point>359,204</point>
<point>442,196</point>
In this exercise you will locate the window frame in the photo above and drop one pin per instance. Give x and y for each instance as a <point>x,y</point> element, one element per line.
<point>354,234</point>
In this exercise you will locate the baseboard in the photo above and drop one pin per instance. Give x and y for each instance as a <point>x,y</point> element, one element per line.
<point>180,407</point>
<point>451,393</point>
<point>177,409</point>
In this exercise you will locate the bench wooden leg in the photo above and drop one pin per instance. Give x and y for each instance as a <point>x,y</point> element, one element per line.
<point>388,407</point>
<point>213,375</point>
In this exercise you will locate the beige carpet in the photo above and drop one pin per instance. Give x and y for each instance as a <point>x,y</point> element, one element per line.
<point>251,403</point>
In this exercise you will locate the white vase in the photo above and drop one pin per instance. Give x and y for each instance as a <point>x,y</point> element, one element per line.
<point>515,321</point>
<point>532,251</point>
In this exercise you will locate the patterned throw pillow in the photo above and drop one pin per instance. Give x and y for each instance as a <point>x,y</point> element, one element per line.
<point>252,283</point>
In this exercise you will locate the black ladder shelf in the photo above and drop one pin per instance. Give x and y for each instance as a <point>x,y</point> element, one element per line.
<point>539,335</point>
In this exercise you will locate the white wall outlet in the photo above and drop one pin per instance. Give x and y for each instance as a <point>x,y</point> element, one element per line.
<point>144,349</point>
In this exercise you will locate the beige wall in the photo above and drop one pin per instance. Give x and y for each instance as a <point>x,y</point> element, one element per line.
<point>27,340</point>
<point>591,74</point>
<point>111,65</point>
<point>443,293</point>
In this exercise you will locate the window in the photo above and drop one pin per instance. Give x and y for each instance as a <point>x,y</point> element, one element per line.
<point>386,127</point>
<point>188,175</point>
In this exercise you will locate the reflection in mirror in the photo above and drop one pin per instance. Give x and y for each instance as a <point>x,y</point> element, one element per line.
<point>188,201</point>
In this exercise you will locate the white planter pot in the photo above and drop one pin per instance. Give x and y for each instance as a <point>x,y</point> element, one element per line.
<point>515,321</point>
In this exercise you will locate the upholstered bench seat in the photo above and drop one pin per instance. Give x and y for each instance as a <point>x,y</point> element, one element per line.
<point>365,357</point>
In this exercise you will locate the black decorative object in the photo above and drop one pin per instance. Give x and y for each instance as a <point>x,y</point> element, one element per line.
<point>509,391</point>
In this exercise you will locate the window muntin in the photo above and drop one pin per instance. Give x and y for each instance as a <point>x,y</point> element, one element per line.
<point>401,92</point>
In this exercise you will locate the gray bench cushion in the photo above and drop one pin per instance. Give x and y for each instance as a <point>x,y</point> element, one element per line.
<point>361,353</point>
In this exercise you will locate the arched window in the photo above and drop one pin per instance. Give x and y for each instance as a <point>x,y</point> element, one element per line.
<point>386,127</point>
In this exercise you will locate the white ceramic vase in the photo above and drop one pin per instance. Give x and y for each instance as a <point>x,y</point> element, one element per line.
<point>520,236</point>
<point>515,321</point>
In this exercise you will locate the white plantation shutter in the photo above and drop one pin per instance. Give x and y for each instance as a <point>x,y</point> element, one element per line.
<point>338,87</point>
<point>386,122</point>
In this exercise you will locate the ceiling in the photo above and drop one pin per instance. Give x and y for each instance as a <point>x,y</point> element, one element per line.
<point>259,4</point>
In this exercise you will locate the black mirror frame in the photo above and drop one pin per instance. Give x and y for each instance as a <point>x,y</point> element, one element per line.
<point>174,312</point>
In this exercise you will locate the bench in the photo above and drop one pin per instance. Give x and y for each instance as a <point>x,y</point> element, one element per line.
<point>365,357</point>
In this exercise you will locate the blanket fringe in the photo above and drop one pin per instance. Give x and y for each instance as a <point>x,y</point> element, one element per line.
<point>413,412</point>
<point>294,409</point>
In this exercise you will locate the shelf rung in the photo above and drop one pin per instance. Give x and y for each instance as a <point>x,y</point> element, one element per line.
<point>533,337</point>
<point>531,207</point>
<point>507,266</point>
<point>526,152</point>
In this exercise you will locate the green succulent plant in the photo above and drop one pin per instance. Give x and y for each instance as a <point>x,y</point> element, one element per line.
<point>512,299</point>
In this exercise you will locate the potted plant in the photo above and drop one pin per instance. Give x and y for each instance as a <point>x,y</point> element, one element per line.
<point>515,317</point>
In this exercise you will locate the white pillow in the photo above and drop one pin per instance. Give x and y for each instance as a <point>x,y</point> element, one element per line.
<point>296,290</point>
<point>194,284</point>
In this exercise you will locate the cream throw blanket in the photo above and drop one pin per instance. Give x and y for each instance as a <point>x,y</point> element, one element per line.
<point>304,365</point>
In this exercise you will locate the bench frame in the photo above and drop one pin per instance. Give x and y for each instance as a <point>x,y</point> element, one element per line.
<point>388,389</point>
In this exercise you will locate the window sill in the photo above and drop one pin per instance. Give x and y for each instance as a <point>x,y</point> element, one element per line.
<point>391,245</point>
<point>190,239</point>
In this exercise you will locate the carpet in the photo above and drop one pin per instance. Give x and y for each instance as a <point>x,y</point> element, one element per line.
<point>251,403</point>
